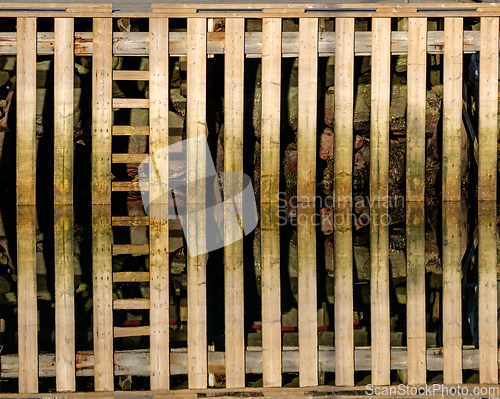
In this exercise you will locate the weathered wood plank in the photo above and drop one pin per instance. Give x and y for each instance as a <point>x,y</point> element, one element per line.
<point>128,277</point>
<point>306,188</point>
<point>379,223</point>
<point>196,158</point>
<point>415,121</point>
<point>130,130</point>
<point>129,304</point>
<point>415,291</point>
<point>159,228</point>
<point>271,295</point>
<point>130,249</point>
<point>270,167</point>
<point>488,110</point>
<point>130,103</point>
<point>121,332</point>
<point>128,186</point>
<point>343,158</point>
<point>487,286</point>
<point>233,162</point>
<point>452,108</point>
<point>101,198</point>
<point>130,75</point>
<point>26,200</point>
<point>128,158</point>
<point>452,294</point>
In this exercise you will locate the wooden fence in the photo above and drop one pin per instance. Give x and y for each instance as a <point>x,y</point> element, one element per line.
<point>309,360</point>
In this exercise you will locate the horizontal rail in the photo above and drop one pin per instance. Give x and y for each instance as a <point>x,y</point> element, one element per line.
<point>130,277</point>
<point>130,249</point>
<point>137,44</point>
<point>131,304</point>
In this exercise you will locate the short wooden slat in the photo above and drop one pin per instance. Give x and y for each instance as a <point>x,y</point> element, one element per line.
<point>25,199</point>
<point>196,158</point>
<point>415,291</point>
<point>130,75</point>
<point>488,333</point>
<point>452,294</point>
<point>159,229</point>
<point>488,110</point>
<point>130,130</point>
<point>415,121</point>
<point>127,186</point>
<point>131,304</point>
<point>233,162</point>
<point>452,108</point>
<point>101,194</point>
<point>130,277</point>
<point>343,158</point>
<point>130,249</point>
<point>121,332</point>
<point>130,220</point>
<point>63,199</point>
<point>270,167</point>
<point>379,221</point>
<point>130,103</point>
<point>306,188</point>
<point>128,158</point>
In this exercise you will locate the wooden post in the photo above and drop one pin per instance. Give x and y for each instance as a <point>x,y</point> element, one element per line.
<point>488,110</point>
<point>26,200</point>
<point>306,182</point>
<point>452,108</point>
<point>158,230</point>
<point>452,294</point>
<point>233,162</point>
<point>488,333</point>
<point>415,122</point>
<point>270,167</point>
<point>379,221</point>
<point>101,199</point>
<point>415,291</point>
<point>63,203</point>
<point>343,160</point>
<point>196,158</point>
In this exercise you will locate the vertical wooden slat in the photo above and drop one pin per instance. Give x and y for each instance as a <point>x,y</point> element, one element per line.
<point>488,110</point>
<point>415,122</point>
<point>343,160</point>
<point>415,291</point>
<point>101,199</point>
<point>452,108</point>
<point>379,229</point>
<point>158,229</point>
<point>452,294</point>
<point>25,199</point>
<point>487,273</point>
<point>270,166</point>
<point>196,158</point>
<point>63,200</point>
<point>233,162</point>
<point>306,184</point>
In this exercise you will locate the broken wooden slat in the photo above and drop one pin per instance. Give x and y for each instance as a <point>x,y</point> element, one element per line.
<point>130,103</point>
<point>415,291</point>
<point>130,75</point>
<point>130,249</point>
<point>379,218</point>
<point>196,173</point>
<point>452,108</point>
<point>159,224</point>
<point>270,169</point>
<point>233,162</point>
<point>343,158</point>
<point>130,304</point>
<point>130,130</point>
<point>488,110</point>
<point>306,189</point>
<point>101,198</point>
<point>452,294</point>
<point>26,200</point>
<point>129,277</point>
<point>415,121</point>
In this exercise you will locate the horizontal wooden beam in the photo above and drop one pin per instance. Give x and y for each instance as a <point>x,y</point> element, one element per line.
<point>128,158</point>
<point>130,103</point>
<point>137,362</point>
<point>130,277</point>
<point>136,44</point>
<point>131,304</point>
<point>130,249</point>
<point>130,75</point>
